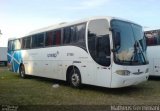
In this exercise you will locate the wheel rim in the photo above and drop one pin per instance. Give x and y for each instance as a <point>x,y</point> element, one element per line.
<point>75,79</point>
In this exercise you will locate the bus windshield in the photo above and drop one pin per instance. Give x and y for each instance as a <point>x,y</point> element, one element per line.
<point>129,43</point>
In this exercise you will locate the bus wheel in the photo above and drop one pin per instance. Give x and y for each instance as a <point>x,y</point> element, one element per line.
<point>75,78</point>
<point>22,72</point>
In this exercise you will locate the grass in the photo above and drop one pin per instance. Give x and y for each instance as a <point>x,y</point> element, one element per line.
<point>39,91</point>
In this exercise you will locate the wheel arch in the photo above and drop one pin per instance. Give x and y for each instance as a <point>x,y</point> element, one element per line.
<point>69,69</point>
<point>21,64</point>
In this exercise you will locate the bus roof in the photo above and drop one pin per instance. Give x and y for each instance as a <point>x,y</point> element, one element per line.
<point>13,38</point>
<point>151,28</point>
<point>65,24</point>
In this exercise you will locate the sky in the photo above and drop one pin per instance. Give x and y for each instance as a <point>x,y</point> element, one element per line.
<point>19,17</point>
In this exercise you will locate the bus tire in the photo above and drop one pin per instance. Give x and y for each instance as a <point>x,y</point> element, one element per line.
<point>22,72</point>
<point>75,78</point>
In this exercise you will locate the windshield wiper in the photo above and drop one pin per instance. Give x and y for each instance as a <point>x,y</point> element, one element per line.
<point>141,51</point>
<point>137,51</point>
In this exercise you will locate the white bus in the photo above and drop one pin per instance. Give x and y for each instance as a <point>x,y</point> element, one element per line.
<point>153,50</point>
<point>100,51</point>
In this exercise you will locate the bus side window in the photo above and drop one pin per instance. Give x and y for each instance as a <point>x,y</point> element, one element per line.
<point>13,45</point>
<point>10,45</point>
<point>57,37</point>
<point>80,35</point>
<point>53,38</point>
<point>74,35</point>
<point>17,43</point>
<point>67,35</point>
<point>80,32</point>
<point>26,42</point>
<point>38,40</point>
<point>49,38</point>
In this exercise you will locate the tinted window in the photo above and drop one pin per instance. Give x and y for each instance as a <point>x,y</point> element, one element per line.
<point>53,38</point>
<point>9,45</point>
<point>17,44</point>
<point>80,29</point>
<point>26,42</point>
<point>57,35</point>
<point>49,38</point>
<point>69,34</point>
<point>38,40</point>
<point>98,41</point>
<point>13,45</point>
<point>152,37</point>
<point>75,35</point>
<point>80,35</point>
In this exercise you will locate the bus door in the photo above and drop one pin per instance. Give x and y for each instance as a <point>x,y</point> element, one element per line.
<point>103,72</point>
<point>99,48</point>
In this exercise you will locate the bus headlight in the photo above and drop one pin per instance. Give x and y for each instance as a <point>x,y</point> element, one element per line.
<point>123,72</point>
<point>147,70</point>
